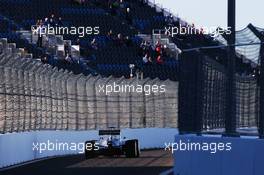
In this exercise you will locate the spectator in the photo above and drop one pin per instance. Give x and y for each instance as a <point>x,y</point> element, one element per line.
<point>164,50</point>
<point>116,4</point>
<point>145,59</point>
<point>159,60</point>
<point>128,41</point>
<point>60,23</point>
<point>38,23</point>
<point>178,51</point>
<point>143,47</point>
<point>110,36</point>
<point>94,44</point>
<point>149,59</point>
<point>143,44</point>
<point>52,21</point>
<point>121,4</point>
<point>149,47</point>
<point>113,6</point>
<point>78,42</point>
<point>170,20</point>
<point>44,59</point>
<point>81,49</point>
<point>67,48</point>
<point>128,16</point>
<point>46,22</point>
<point>39,32</point>
<point>158,48</point>
<point>119,40</point>
<point>158,52</point>
<point>68,58</point>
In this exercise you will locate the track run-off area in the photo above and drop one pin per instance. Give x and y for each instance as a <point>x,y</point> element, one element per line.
<point>150,162</point>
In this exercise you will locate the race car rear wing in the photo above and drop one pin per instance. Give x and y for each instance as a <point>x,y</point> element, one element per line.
<point>109,132</point>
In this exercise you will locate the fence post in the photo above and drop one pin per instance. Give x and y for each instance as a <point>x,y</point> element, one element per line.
<point>199,95</point>
<point>261,112</point>
<point>261,81</point>
<point>230,120</point>
<point>191,93</point>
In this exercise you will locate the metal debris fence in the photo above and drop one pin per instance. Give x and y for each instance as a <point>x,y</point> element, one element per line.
<point>202,96</point>
<point>36,96</point>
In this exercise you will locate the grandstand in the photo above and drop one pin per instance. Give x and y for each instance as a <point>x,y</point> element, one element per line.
<point>67,82</point>
<point>109,59</point>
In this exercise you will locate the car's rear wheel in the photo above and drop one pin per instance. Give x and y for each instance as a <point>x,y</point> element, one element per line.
<point>132,148</point>
<point>90,149</point>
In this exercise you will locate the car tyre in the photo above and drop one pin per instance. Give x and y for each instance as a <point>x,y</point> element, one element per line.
<point>132,149</point>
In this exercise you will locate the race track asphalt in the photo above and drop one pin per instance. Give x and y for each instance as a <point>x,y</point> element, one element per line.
<point>151,162</point>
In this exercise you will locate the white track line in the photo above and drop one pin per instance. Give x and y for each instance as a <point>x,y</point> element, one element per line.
<point>167,172</point>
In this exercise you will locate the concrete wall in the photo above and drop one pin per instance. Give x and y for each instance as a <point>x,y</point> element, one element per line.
<point>16,148</point>
<point>245,158</point>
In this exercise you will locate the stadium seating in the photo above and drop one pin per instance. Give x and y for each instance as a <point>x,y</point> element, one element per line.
<point>109,59</point>
<point>86,15</point>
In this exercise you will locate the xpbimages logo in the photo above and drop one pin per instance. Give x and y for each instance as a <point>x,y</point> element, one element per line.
<point>56,145</point>
<point>212,147</point>
<point>191,30</point>
<point>147,89</point>
<point>59,30</point>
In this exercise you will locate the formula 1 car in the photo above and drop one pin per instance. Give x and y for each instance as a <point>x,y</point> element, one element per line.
<point>111,144</point>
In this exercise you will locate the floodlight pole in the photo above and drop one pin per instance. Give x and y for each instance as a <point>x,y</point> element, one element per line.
<point>230,116</point>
